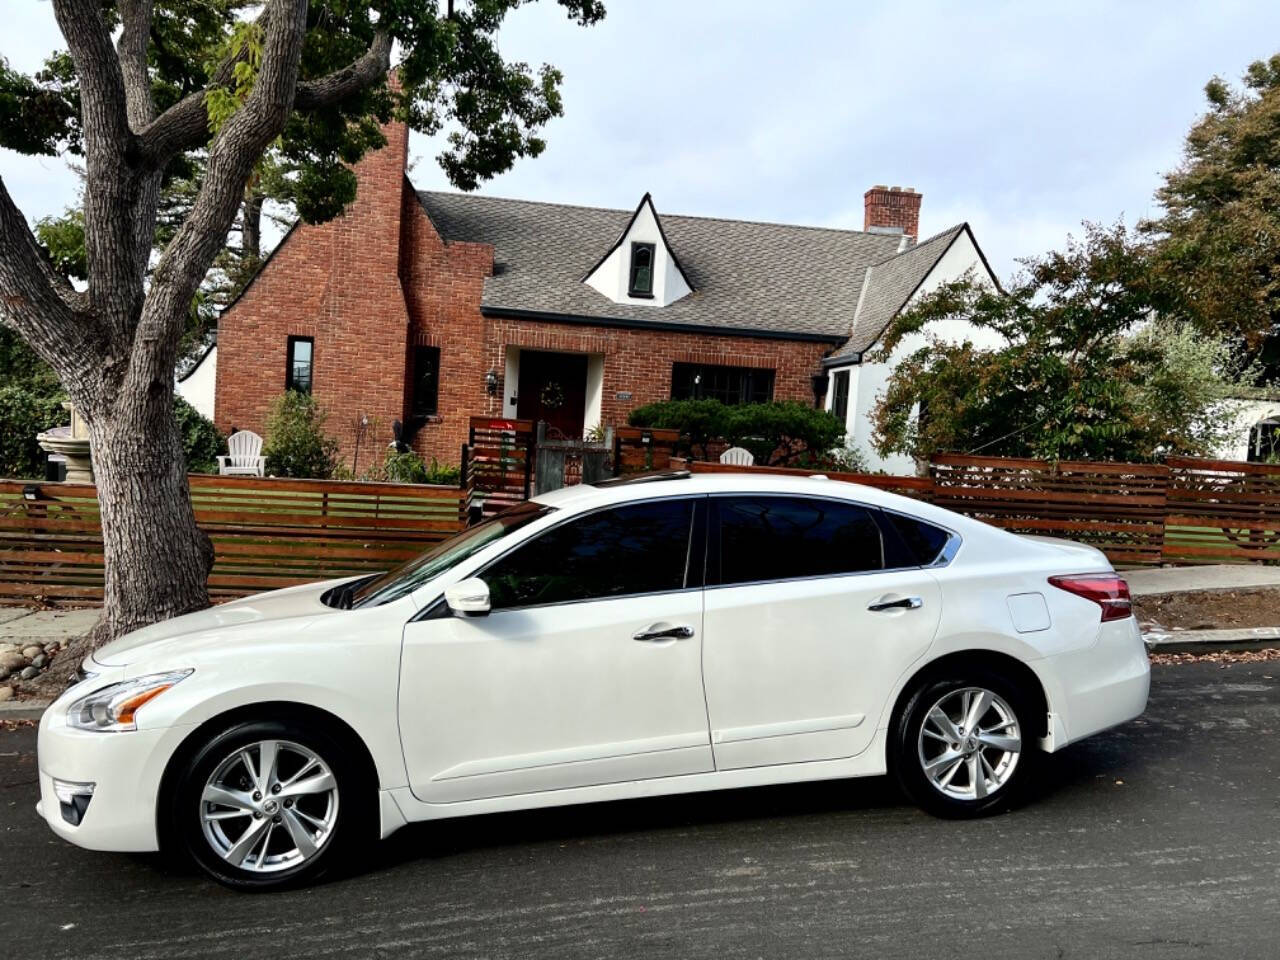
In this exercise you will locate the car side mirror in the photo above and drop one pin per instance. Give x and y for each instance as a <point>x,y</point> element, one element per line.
<point>468,598</point>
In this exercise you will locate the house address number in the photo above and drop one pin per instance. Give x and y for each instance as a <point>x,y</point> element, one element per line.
<point>622,395</point>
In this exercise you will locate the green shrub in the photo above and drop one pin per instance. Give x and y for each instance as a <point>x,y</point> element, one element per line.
<point>408,467</point>
<point>776,433</point>
<point>25,411</point>
<point>296,445</point>
<point>201,440</point>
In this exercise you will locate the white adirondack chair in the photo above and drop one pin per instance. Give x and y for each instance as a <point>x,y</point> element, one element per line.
<point>245,456</point>
<point>738,457</point>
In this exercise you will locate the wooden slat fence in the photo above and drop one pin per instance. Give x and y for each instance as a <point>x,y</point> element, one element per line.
<point>497,463</point>
<point>1181,511</point>
<point>1117,507</point>
<point>1222,511</point>
<point>637,449</point>
<point>266,533</point>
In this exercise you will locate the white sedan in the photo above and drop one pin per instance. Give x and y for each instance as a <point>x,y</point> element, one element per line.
<point>619,640</point>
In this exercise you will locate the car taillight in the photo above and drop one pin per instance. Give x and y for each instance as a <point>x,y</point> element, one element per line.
<point>1107,590</point>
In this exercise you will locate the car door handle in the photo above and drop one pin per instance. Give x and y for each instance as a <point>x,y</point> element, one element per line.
<point>663,631</point>
<point>904,603</point>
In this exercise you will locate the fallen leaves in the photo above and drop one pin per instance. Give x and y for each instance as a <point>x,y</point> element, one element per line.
<point>1223,657</point>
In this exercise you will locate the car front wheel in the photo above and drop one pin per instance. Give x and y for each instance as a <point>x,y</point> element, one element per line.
<point>963,745</point>
<point>268,804</point>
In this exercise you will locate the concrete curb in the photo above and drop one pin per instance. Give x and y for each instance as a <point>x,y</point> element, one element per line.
<point>23,709</point>
<point>1203,641</point>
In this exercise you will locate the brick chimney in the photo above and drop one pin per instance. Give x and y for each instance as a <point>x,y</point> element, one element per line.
<point>892,210</point>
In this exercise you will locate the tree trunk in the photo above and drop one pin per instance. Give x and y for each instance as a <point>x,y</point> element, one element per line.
<point>251,225</point>
<point>157,559</point>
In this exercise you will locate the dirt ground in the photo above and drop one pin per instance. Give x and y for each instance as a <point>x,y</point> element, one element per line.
<point>1211,609</point>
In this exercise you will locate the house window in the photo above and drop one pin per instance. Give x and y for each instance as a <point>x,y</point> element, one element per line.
<point>840,395</point>
<point>426,381</point>
<point>702,381</point>
<point>297,371</point>
<point>641,284</point>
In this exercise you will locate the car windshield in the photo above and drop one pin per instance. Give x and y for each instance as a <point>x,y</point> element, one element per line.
<point>409,576</point>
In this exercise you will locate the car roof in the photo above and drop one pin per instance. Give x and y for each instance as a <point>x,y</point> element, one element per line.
<point>683,484</point>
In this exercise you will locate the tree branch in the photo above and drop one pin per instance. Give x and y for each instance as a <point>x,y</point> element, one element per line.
<point>102,94</point>
<point>185,125</point>
<point>131,49</point>
<point>351,79</point>
<point>235,150</point>
<point>35,300</point>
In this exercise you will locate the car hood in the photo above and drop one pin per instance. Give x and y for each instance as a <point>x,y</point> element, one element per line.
<point>293,607</point>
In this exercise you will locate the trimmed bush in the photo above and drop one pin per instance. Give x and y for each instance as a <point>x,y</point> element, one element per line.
<point>201,440</point>
<point>776,433</point>
<point>296,445</point>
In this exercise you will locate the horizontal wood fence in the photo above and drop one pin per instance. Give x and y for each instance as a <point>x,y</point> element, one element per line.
<point>266,533</point>
<point>1181,511</point>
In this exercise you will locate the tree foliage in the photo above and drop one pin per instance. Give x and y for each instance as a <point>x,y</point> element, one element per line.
<point>1091,366</point>
<point>778,432</point>
<point>202,442</point>
<point>1218,239</point>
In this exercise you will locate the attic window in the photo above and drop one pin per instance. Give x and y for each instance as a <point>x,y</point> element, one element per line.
<point>641,284</point>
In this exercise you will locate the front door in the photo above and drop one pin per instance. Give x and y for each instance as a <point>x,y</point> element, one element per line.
<point>587,670</point>
<point>797,663</point>
<point>553,387</point>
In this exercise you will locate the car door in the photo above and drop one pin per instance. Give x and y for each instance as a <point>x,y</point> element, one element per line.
<point>586,671</point>
<point>806,627</point>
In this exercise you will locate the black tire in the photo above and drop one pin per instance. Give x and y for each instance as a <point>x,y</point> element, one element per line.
<point>352,822</point>
<point>909,749</point>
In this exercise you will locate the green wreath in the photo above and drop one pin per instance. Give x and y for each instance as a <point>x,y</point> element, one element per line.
<point>552,396</point>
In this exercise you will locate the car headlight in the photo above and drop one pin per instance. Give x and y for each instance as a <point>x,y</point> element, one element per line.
<point>112,708</point>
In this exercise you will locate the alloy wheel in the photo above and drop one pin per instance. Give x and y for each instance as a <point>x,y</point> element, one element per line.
<point>969,744</point>
<point>269,806</point>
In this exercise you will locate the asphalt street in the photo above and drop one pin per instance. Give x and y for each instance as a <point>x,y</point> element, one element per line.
<point>1160,839</point>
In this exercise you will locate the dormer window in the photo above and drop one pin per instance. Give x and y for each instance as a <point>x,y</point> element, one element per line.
<point>641,270</point>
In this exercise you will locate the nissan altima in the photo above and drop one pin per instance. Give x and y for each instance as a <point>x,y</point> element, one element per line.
<point>623,639</point>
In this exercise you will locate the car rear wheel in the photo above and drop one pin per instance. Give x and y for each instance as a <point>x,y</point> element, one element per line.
<point>268,804</point>
<point>963,745</point>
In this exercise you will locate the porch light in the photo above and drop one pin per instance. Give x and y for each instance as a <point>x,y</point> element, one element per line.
<point>491,382</point>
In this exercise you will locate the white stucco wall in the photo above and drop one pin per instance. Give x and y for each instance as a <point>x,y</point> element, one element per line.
<point>613,276</point>
<point>197,389</point>
<point>595,391</point>
<point>868,380</point>
<point>1245,413</point>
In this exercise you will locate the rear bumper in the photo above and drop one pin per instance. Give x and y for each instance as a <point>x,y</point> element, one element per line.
<point>1099,687</point>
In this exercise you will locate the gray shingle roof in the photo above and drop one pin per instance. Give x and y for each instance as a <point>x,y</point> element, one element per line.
<point>766,277</point>
<point>889,286</point>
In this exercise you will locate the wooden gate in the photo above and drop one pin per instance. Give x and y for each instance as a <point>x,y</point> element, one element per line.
<point>562,461</point>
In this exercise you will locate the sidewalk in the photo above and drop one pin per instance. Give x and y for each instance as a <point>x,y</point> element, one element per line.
<point>21,625</point>
<point>1228,576</point>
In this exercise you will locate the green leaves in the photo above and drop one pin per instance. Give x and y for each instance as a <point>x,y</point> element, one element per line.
<point>1088,369</point>
<point>296,444</point>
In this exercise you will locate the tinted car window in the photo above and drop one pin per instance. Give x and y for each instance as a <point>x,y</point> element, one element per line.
<point>639,548</point>
<point>923,540</point>
<point>777,538</point>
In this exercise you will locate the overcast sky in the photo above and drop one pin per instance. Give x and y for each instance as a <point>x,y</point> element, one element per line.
<point>1023,118</point>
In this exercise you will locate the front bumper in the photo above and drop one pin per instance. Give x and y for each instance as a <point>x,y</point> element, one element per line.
<point>1098,687</point>
<point>125,768</point>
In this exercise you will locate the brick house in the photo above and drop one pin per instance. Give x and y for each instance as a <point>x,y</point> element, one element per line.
<point>430,307</point>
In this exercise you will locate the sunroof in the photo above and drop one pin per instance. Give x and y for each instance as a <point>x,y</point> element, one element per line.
<point>650,476</point>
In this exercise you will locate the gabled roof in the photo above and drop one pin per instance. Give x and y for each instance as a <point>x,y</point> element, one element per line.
<point>891,284</point>
<point>763,279</point>
<point>647,198</point>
